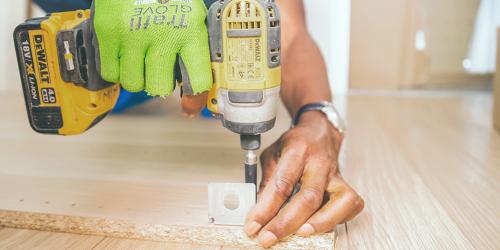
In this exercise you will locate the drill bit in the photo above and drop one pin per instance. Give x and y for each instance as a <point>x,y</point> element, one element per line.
<point>251,167</point>
<point>250,143</point>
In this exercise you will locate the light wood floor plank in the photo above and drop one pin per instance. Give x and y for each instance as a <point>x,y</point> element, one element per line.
<point>460,165</point>
<point>30,239</point>
<point>428,169</point>
<point>126,244</point>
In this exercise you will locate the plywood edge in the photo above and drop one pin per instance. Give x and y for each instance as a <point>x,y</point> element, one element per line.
<point>202,235</point>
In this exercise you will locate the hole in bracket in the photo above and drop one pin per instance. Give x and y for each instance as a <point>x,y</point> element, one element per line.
<point>231,201</point>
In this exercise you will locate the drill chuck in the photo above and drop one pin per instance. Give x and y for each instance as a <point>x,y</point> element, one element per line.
<point>250,142</point>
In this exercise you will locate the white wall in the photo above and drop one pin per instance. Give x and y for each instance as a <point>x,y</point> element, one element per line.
<point>11,14</point>
<point>329,24</point>
<point>482,49</point>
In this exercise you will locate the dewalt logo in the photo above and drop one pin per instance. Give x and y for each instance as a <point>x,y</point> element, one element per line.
<point>258,54</point>
<point>41,56</point>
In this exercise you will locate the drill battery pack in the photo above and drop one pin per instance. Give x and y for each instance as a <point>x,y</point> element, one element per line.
<point>63,91</point>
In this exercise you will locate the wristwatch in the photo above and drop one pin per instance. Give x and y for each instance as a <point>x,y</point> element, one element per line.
<point>327,109</point>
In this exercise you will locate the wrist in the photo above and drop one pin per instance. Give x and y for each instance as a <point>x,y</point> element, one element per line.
<point>318,118</point>
<point>313,117</point>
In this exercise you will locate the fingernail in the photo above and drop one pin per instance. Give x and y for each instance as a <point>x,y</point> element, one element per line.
<point>306,230</point>
<point>252,228</point>
<point>267,239</point>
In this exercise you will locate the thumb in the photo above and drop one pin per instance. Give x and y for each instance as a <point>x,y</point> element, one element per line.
<point>193,104</point>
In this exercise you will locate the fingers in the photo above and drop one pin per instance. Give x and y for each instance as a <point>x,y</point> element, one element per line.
<point>132,68</point>
<point>192,105</point>
<point>108,49</point>
<point>196,72</point>
<point>109,63</point>
<point>307,201</point>
<point>288,171</point>
<point>361,206</point>
<point>343,205</point>
<point>269,162</point>
<point>159,73</point>
<point>195,58</point>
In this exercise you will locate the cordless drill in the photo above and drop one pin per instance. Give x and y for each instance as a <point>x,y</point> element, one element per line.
<point>245,48</point>
<point>65,95</point>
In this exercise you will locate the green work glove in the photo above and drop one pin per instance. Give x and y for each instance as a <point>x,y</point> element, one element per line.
<point>139,42</point>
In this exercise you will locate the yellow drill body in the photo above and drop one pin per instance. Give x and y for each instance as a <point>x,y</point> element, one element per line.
<point>245,51</point>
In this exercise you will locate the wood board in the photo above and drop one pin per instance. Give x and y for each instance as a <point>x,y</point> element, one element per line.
<point>427,164</point>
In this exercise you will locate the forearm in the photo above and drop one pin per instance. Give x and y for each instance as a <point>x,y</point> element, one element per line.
<point>305,77</point>
<point>304,72</point>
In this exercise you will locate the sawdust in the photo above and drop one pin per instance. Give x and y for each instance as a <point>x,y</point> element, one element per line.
<point>202,235</point>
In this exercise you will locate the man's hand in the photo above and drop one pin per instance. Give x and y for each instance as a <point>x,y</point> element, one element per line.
<point>139,43</point>
<point>306,155</point>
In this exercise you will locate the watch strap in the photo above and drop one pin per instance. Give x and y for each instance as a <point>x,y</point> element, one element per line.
<point>315,106</point>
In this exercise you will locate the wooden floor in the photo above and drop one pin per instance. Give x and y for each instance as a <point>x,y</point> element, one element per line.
<point>427,165</point>
<point>31,239</point>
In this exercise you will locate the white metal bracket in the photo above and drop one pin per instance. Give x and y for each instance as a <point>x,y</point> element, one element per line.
<point>229,203</point>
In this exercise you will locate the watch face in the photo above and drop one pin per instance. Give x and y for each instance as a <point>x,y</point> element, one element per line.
<point>334,117</point>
